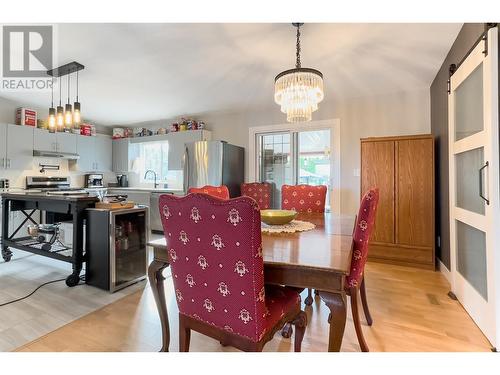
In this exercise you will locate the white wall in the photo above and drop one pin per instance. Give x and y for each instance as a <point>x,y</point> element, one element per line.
<point>383,115</point>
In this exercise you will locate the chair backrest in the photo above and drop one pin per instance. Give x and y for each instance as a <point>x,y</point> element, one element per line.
<point>259,191</point>
<point>365,223</point>
<point>221,192</point>
<point>215,253</point>
<point>303,198</point>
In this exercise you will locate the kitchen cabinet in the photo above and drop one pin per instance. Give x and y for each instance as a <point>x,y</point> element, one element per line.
<point>103,153</point>
<point>403,170</point>
<point>95,153</point>
<point>62,142</point>
<point>177,142</point>
<point>16,147</point>
<point>124,153</point>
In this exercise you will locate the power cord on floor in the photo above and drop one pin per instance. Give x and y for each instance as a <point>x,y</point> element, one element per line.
<point>34,291</point>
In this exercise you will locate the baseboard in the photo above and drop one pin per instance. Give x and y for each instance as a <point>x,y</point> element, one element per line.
<point>445,271</point>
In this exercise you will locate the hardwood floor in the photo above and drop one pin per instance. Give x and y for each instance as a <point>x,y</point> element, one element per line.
<point>410,309</point>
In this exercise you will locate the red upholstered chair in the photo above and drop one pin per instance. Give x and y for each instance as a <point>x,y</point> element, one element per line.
<point>215,254</point>
<point>355,282</point>
<point>259,191</point>
<point>221,192</point>
<point>303,198</point>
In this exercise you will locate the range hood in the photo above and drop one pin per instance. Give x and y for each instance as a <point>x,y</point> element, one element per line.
<point>56,154</point>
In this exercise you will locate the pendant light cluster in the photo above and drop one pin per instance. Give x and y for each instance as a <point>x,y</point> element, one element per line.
<point>298,91</point>
<point>69,117</point>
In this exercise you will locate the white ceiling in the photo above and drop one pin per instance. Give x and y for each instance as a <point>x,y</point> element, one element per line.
<point>140,72</point>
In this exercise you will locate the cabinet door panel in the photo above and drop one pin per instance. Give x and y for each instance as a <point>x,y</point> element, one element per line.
<point>103,153</point>
<point>415,174</point>
<point>66,142</point>
<point>86,149</point>
<point>20,147</point>
<point>43,140</point>
<point>377,167</point>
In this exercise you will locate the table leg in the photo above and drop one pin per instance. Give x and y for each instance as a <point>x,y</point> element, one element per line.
<point>156,281</point>
<point>336,302</point>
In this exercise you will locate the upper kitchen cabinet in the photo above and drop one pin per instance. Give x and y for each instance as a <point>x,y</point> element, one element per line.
<point>103,153</point>
<point>95,153</point>
<point>177,142</point>
<point>16,147</point>
<point>123,154</point>
<point>61,142</point>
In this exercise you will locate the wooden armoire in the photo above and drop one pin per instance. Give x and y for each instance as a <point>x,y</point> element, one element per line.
<point>403,170</point>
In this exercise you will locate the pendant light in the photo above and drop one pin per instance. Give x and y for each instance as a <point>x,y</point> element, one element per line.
<point>52,111</point>
<point>77,117</point>
<point>298,91</point>
<point>68,111</point>
<point>60,111</point>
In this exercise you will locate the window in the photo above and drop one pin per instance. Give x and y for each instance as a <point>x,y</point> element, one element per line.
<point>154,156</point>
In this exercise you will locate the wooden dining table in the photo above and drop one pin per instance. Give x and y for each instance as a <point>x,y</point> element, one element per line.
<point>318,259</point>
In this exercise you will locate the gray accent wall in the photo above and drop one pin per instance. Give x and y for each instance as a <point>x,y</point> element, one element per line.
<point>468,35</point>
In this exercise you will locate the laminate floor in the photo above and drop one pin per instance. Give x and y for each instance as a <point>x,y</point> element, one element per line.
<point>410,309</point>
<point>50,307</point>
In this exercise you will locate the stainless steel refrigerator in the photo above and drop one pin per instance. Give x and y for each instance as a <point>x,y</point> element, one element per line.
<point>214,163</point>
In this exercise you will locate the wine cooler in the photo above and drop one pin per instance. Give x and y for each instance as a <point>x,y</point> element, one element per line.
<point>116,247</point>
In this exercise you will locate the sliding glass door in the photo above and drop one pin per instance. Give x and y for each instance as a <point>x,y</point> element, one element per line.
<point>294,157</point>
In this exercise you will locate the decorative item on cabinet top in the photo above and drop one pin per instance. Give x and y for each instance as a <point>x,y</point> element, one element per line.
<point>183,125</point>
<point>403,170</point>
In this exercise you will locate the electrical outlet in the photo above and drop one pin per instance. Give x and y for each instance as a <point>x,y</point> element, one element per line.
<point>356,172</point>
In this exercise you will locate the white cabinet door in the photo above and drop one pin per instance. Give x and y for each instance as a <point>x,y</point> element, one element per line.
<point>3,146</point>
<point>103,153</point>
<point>43,140</point>
<point>85,147</point>
<point>66,142</point>
<point>19,147</point>
<point>120,155</point>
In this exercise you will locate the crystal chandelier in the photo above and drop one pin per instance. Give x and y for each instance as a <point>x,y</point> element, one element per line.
<point>298,91</point>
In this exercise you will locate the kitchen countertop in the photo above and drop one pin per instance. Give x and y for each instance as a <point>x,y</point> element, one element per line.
<point>146,190</point>
<point>26,195</point>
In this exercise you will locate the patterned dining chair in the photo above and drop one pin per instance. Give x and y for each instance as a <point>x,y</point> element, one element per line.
<point>259,191</point>
<point>221,192</point>
<point>355,281</point>
<point>304,198</point>
<point>215,254</point>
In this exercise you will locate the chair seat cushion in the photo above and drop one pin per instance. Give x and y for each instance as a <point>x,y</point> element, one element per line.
<point>279,301</point>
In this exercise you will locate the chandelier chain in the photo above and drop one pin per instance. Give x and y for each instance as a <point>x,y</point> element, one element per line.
<point>297,63</point>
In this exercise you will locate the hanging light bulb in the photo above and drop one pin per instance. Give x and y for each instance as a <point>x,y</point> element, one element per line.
<point>77,117</point>
<point>68,111</point>
<point>60,112</point>
<point>52,111</point>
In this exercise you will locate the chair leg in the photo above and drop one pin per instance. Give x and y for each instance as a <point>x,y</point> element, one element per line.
<point>355,317</point>
<point>300,323</point>
<point>287,330</point>
<point>309,299</point>
<point>184,337</point>
<point>364,302</point>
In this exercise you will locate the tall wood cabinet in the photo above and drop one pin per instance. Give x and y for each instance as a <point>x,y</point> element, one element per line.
<point>403,170</point>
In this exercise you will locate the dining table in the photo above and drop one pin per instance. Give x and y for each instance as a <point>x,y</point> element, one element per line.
<point>318,259</point>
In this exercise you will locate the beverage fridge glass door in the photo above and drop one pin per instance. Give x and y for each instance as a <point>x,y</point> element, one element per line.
<point>128,256</point>
<point>203,164</point>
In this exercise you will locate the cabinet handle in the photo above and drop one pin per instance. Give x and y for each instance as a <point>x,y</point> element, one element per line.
<point>3,162</point>
<point>481,183</point>
<point>8,163</point>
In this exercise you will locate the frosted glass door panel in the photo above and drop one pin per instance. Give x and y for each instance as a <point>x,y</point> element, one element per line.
<point>469,105</point>
<point>467,180</point>
<point>471,257</point>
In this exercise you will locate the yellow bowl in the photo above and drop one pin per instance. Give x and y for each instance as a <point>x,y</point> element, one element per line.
<point>277,217</point>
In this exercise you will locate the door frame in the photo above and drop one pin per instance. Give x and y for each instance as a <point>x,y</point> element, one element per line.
<point>332,124</point>
<point>485,313</point>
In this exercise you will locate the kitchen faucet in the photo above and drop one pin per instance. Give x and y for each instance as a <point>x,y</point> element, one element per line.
<point>150,170</point>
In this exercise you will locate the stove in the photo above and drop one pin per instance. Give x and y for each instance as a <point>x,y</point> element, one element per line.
<point>52,186</point>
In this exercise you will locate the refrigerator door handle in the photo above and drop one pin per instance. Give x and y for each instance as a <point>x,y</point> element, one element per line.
<point>185,179</point>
